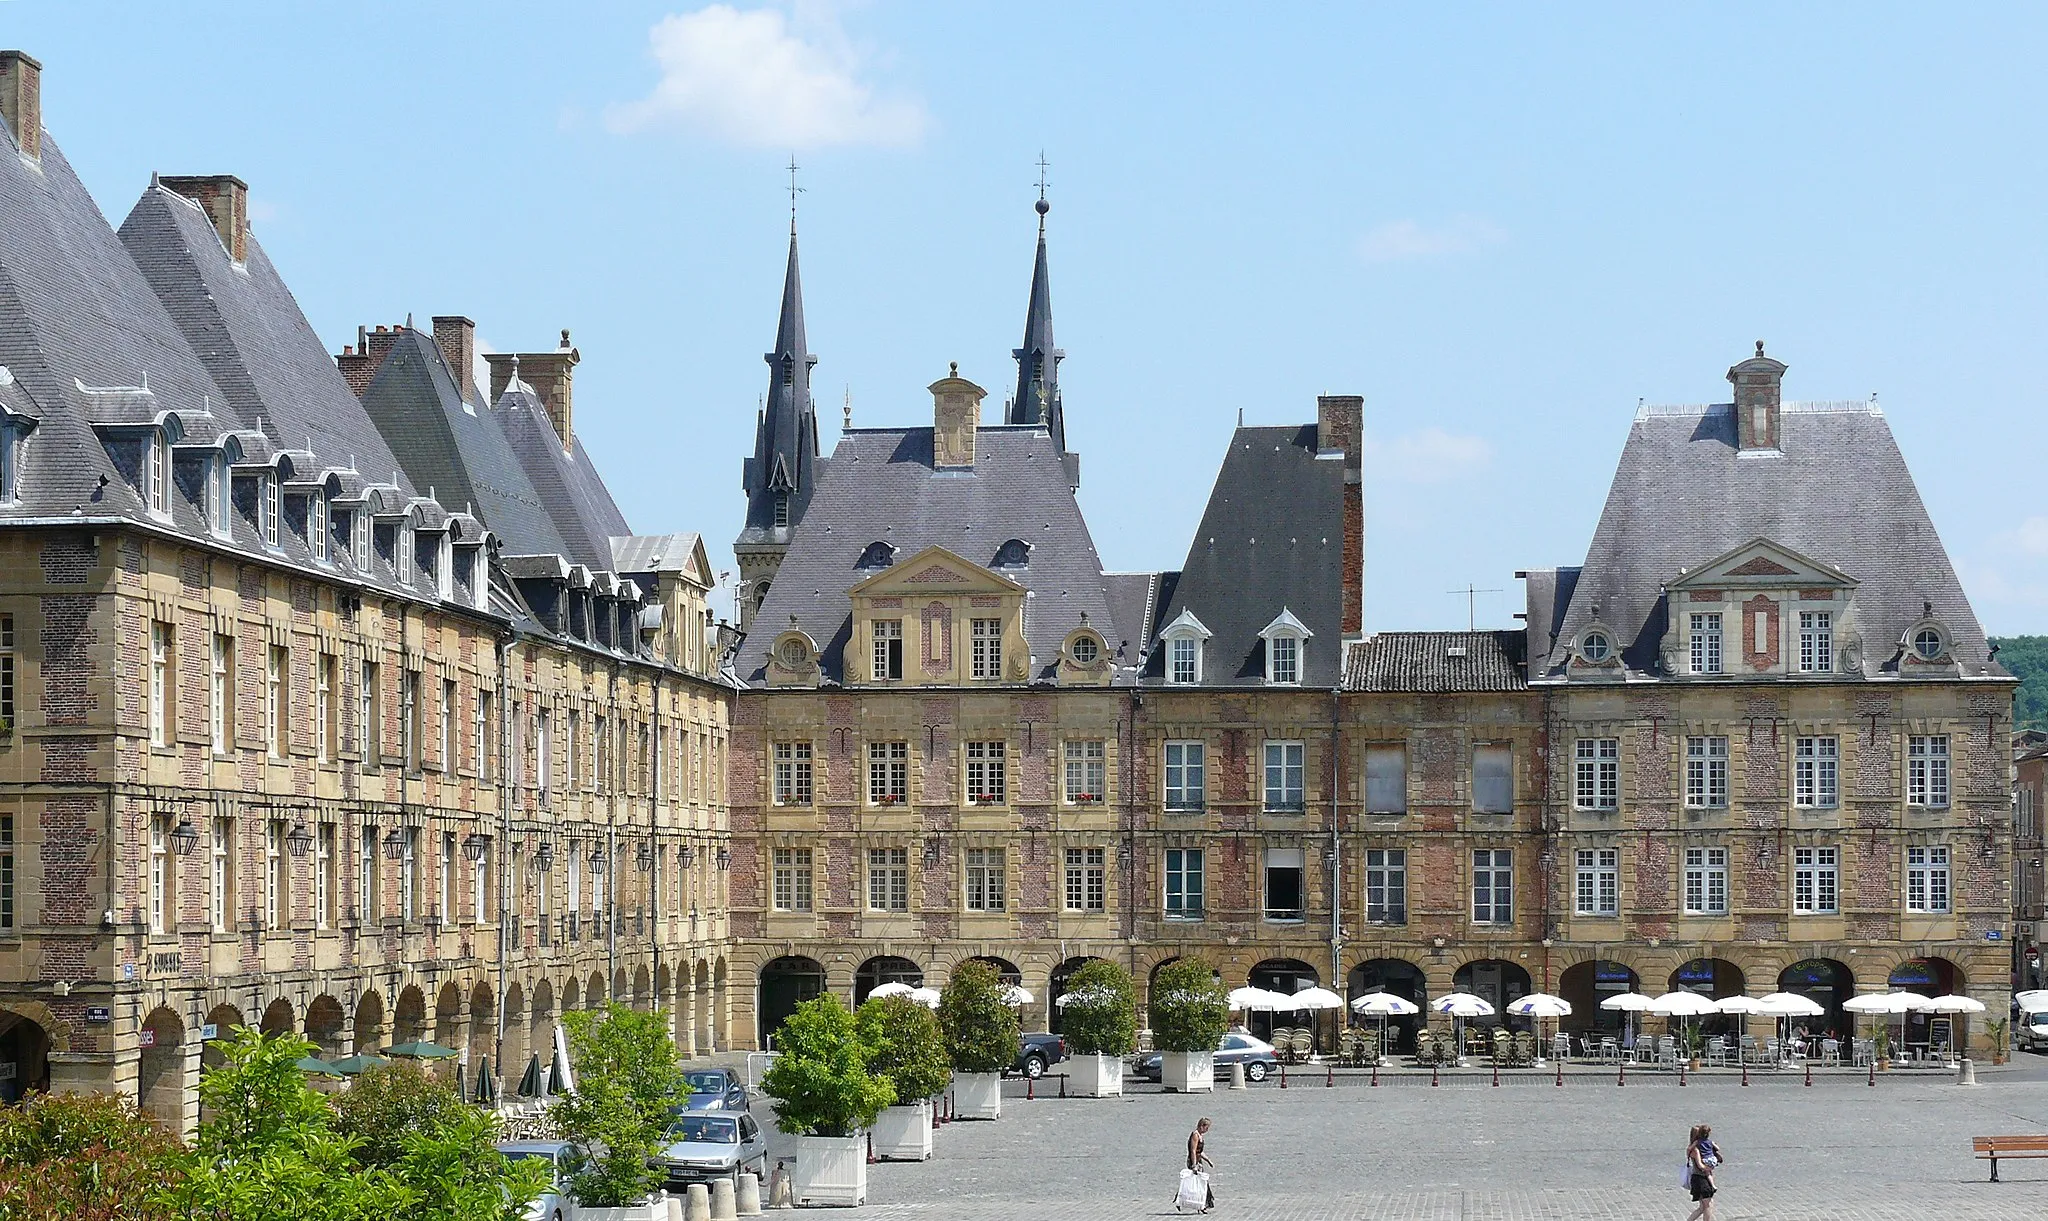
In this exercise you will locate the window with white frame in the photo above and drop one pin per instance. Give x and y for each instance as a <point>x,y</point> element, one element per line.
<point>1186,782</point>
<point>1597,781</point>
<point>276,885</point>
<point>792,773</point>
<point>220,692</point>
<point>162,708</point>
<point>1706,881</point>
<point>220,500</point>
<point>1705,638</point>
<point>1927,879</point>
<point>1927,770</point>
<point>7,872</point>
<point>276,667</point>
<point>409,875</point>
<point>479,884</point>
<point>156,483</point>
<point>1598,890</point>
<point>409,718</point>
<point>316,526</point>
<point>1283,660</point>
<point>987,774</point>
<point>324,878</point>
<point>366,714</point>
<point>1386,885</point>
<point>986,891</point>
<point>1184,660</point>
<point>444,726</point>
<point>1087,888</point>
<point>325,672</point>
<point>1285,777</point>
<point>1816,772</point>
<point>986,640</point>
<point>889,879</point>
<point>1493,886</point>
<point>792,881</point>
<point>1086,771</point>
<point>444,882</point>
<point>1285,884</point>
<point>1184,884</point>
<point>1816,642</point>
<point>1816,881</point>
<point>1493,778</point>
<point>162,907</point>
<point>888,773</point>
<point>1706,772</point>
<point>221,877</point>
<point>1386,779</point>
<point>480,736</point>
<point>359,522</point>
<point>888,634</point>
<point>369,888</point>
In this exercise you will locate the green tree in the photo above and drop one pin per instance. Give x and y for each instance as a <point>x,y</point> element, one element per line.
<point>457,1173</point>
<point>86,1157</point>
<point>904,1046</point>
<point>1100,1014</point>
<point>2026,657</point>
<point>820,1082</point>
<point>981,1031</point>
<point>628,1085</point>
<point>1190,1010</point>
<point>386,1104</point>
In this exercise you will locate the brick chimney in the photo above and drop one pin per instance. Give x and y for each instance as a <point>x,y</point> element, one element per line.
<point>456,337</point>
<point>1757,382</point>
<point>21,100</point>
<point>551,377</point>
<point>956,414</point>
<point>359,363</point>
<point>226,201</point>
<point>1340,429</point>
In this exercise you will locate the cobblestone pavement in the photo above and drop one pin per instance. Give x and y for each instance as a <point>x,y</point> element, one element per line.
<point>1528,1151</point>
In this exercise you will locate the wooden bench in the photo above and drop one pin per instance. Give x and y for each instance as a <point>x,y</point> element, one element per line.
<point>1995,1147</point>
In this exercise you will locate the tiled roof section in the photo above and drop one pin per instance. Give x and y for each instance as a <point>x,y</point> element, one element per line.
<point>1272,538</point>
<point>880,487</point>
<point>1133,597</point>
<point>1438,662</point>
<point>1839,493</point>
<point>246,327</point>
<point>455,448</point>
<point>569,487</point>
<point>634,553</point>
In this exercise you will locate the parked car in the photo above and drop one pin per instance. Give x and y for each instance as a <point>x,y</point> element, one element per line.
<point>1038,1052</point>
<point>1256,1055</point>
<point>716,1089</point>
<point>2032,1031</point>
<point>553,1204</point>
<point>707,1145</point>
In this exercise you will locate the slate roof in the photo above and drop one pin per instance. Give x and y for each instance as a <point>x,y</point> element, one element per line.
<point>1272,537</point>
<point>1839,493</point>
<point>1133,599</point>
<point>786,434</point>
<point>1438,662</point>
<point>571,491</point>
<point>880,487</point>
<point>638,553</point>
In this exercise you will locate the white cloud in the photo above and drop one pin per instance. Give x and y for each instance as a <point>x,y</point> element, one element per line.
<point>1399,240</point>
<point>2029,538</point>
<point>1429,455</point>
<point>262,210</point>
<point>749,79</point>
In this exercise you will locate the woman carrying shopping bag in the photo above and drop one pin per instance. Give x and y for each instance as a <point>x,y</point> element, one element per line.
<point>1195,1192</point>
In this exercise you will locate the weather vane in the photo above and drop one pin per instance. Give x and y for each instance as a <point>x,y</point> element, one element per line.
<point>1042,206</point>
<point>794,191</point>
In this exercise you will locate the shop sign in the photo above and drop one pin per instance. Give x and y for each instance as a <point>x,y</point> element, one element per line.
<point>147,1038</point>
<point>99,1015</point>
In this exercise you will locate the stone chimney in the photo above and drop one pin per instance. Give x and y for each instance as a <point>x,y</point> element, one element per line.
<point>21,100</point>
<point>956,413</point>
<point>1340,429</point>
<point>226,201</point>
<point>1757,381</point>
<point>456,337</point>
<point>550,375</point>
<point>359,363</point>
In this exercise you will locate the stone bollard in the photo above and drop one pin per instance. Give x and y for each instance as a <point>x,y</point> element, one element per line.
<point>779,1192</point>
<point>697,1204</point>
<point>672,1208</point>
<point>749,1202</point>
<point>1966,1072</point>
<point>722,1200</point>
<point>1237,1074</point>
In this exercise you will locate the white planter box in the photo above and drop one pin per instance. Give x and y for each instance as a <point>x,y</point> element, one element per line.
<point>637,1212</point>
<point>830,1170</point>
<point>1097,1076</point>
<point>904,1134</point>
<point>1190,1072</point>
<point>977,1095</point>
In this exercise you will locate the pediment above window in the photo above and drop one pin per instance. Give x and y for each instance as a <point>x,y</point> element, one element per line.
<point>1185,626</point>
<point>1762,564</point>
<point>934,570</point>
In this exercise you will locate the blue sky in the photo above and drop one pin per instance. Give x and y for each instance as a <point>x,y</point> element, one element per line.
<point>1503,225</point>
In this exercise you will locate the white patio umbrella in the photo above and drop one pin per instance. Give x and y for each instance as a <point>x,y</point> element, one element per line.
<point>1781,1005</point>
<point>1682,1004</point>
<point>1955,1004</point>
<point>1626,1003</point>
<point>1459,1006</point>
<point>894,987</point>
<point>1315,1000</point>
<point>1884,1004</point>
<point>1537,1006</point>
<point>1743,1007</point>
<point>928,997</point>
<point>1249,999</point>
<point>1014,996</point>
<point>1384,1005</point>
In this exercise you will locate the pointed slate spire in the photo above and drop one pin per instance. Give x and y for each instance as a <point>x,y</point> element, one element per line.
<point>1038,361</point>
<point>779,477</point>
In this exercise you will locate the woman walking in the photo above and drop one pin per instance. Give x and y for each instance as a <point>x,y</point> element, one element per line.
<point>1701,1157</point>
<point>1194,1183</point>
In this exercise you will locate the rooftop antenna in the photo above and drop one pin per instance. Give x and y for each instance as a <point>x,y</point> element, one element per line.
<point>1043,206</point>
<point>794,191</point>
<point>1472,593</point>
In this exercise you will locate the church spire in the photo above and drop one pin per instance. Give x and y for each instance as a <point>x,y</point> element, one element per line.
<point>779,477</point>
<point>1038,361</point>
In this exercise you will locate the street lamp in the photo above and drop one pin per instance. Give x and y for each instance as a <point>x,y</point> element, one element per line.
<point>643,856</point>
<point>689,854</point>
<point>476,848</point>
<point>300,840</point>
<point>544,856</point>
<point>184,837</point>
<point>394,845</point>
<point>724,859</point>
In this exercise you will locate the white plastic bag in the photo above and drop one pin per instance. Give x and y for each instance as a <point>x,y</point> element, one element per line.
<point>1194,1191</point>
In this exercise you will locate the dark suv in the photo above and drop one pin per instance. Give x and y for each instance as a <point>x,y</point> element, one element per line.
<point>1037,1053</point>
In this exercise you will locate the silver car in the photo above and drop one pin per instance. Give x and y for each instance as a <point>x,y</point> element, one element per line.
<point>553,1204</point>
<point>712,1145</point>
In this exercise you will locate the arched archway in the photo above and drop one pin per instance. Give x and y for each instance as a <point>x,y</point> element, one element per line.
<point>1826,983</point>
<point>1929,977</point>
<point>1057,987</point>
<point>1584,985</point>
<point>1715,978</point>
<point>1005,969</point>
<point>278,1018</point>
<point>160,1077</point>
<point>448,1029</point>
<point>324,1020</point>
<point>221,1023</point>
<point>26,1045</point>
<point>641,987</point>
<point>1396,977</point>
<point>1286,976</point>
<point>785,983</point>
<point>541,1025</point>
<point>594,993</point>
<point>1495,981</point>
<point>409,1023</point>
<point>369,1022</point>
<point>721,1006</point>
<point>885,969</point>
<point>572,995</point>
<point>700,1019</point>
<point>515,1053</point>
<point>620,991</point>
<point>483,1028</point>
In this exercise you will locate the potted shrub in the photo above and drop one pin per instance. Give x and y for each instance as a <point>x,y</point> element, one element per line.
<point>1996,1029</point>
<point>1099,1019</point>
<point>824,1098</point>
<point>904,1048</point>
<point>1189,1014</point>
<point>1881,1047</point>
<point>982,1039</point>
<point>628,1083</point>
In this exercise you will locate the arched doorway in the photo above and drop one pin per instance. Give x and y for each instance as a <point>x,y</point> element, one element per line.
<point>1929,977</point>
<point>1716,979</point>
<point>1005,969</point>
<point>572,994</point>
<point>700,1020</point>
<point>513,1070</point>
<point>885,970</point>
<point>1286,976</point>
<point>25,1046</point>
<point>1497,982</point>
<point>594,993</point>
<point>448,1029</point>
<point>1584,985</point>
<point>1826,983</point>
<point>278,1018</point>
<point>541,1026</point>
<point>369,1023</point>
<point>221,1023</point>
<point>324,1020</point>
<point>160,1077</point>
<point>1057,988</point>
<point>641,985</point>
<point>721,1006</point>
<point>785,984</point>
<point>1396,977</point>
<point>410,1022</point>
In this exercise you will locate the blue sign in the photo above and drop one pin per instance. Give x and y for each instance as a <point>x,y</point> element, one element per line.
<point>1992,934</point>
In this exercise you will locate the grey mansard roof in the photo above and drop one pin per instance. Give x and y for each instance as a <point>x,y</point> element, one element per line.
<point>1437,662</point>
<point>571,491</point>
<point>1839,493</point>
<point>880,487</point>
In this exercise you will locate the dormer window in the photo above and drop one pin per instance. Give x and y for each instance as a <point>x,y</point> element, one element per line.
<point>359,523</point>
<point>1015,553</point>
<point>266,507</point>
<point>156,475</point>
<point>876,555</point>
<point>1929,644</point>
<point>220,497</point>
<point>1816,642</point>
<point>316,526</point>
<point>1704,630</point>
<point>444,556</point>
<point>401,553</point>
<point>1184,638</point>
<point>1285,638</point>
<point>1596,647</point>
<point>10,466</point>
<point>1084,650</point>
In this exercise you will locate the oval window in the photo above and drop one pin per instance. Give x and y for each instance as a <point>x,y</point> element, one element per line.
<point>794,654</point>
<point>1085,650</point>
<point>1927,643</point>
<point>1595,646</point>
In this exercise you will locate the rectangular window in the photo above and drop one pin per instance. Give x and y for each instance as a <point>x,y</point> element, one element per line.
<point>1284,652</point>
<point>369,892</point>
<point>480,748</point>
<point>1087,772</point>
<point>601,753</point>
<point>7,872</point>
<point>1598,779</point>
<point>1706,772</point>
<point>221,693</point>
<point>574,868</point>
<point>575,777</point>
<point>276,667</point>
<point>324,677</point>
<point>409,718</point>
<point>1816,642</point>
<point>1186,784</point>
<point>1183,883</point>
<point>6,673</point>
<point>1284,884</point>
<point>221,877</point>
<point>1284,777</point>
<point>888,650</point>
<point>888,773</point>
<point>1087,880</point>
<point>1386,779</point>
<point>889,879</point>
<point>1493,886</point>
<point>1706,643</point>
<point>544,741</point>
<point>1927,770</point>
<point>1386,885</point>
<point>985,881</point>
<point>792,773</point>
<point>409,875</point>
<point>792,879</point>
<point>367,729</point>
<point>987,774</point>
<point>162,700</point>
<point>277,895</point>
<point>987,639</point>
<point>444,727</point>
<point>161,903</point>
<point>1184,656</point>
<point>1816,881</point>
<point>479,885</point>
<point>323,878</point>
<point>1706,881</point>
<point>1598,892</point>
<point>1493,779</point>
<point>316,526</point>
<point>1927,879</point>
<point>268,487</point>
<point>1815,772</point>
<point>444,882</point>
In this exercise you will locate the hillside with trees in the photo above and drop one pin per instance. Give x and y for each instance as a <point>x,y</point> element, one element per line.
<point>2027,658</point>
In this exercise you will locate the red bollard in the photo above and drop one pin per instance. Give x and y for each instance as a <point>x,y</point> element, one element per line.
<point>1745,1072</point>
<point>1433,1077</point>
<point>1375,1072</point>
<point>1283,1074</point>
<point>1809,1072</point>
<point>871,1148</point>
<point>1873,1074</point>
<point>1030,1088</point>
<point>1329,1076</point>
<point>1681,1073</point>
<point>1560,1072</point>
<point>1496,1074</point>
<point>935,1117</point>
<point>1621,1073</point>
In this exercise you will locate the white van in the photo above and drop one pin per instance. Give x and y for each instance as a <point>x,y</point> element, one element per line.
<point>2033,1030</point>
